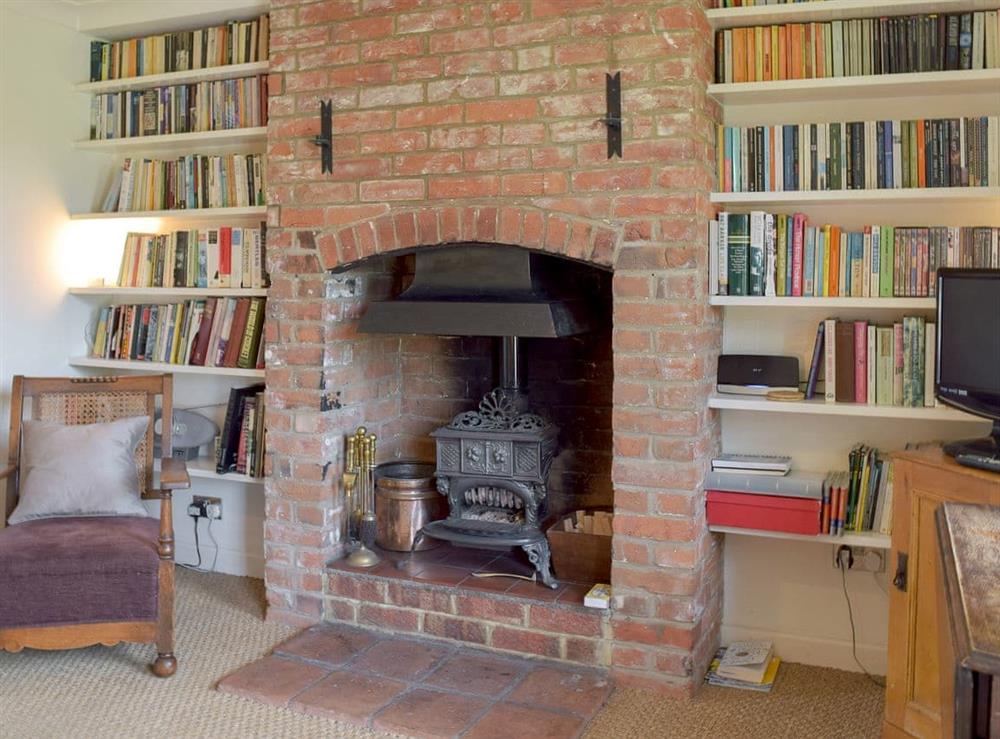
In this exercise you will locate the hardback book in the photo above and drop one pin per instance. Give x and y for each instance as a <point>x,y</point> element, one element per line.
<point>830,360</point>
<point>738,239</point>
<point>929,366</point>
<point>817,361</point>
<point>845,362</point>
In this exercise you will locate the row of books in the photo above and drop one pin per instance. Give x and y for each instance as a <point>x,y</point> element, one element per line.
<point>859,499</point>
<point>241,443</point>
<point>223,257</point>
<point>189,182</point>
<point>215,332</point>
<point>779,255</point>
<point>876,365</point>
<point>860,155</point>
<point>236,42</point>
<point>862,46</point>
<point>203,106</point>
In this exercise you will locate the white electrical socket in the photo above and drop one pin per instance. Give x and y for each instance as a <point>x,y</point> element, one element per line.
<point>205,507</point>
<point>860,559</point>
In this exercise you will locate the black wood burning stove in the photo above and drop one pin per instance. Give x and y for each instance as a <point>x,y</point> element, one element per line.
<point>492,463</point>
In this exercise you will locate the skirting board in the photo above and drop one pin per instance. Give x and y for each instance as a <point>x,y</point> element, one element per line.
<point>231,562</point>
<point>811,651</point>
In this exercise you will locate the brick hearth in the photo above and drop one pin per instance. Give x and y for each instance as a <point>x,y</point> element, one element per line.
<point>469,120</point>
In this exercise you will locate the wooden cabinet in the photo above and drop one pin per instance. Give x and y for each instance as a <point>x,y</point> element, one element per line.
<point>923,480</point>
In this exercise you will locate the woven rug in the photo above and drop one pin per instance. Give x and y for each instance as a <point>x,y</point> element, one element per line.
<point>108,692</point>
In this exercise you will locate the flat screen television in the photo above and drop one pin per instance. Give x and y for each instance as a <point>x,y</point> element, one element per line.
<point>968,355</point>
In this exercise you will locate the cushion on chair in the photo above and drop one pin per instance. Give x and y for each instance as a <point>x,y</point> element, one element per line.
<point>78,570</point>
<point>83,470</point>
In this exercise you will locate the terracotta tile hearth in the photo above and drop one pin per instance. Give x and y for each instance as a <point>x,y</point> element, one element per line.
<point>420,687</point>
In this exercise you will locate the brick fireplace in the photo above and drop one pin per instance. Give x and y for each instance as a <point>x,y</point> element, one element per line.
<point>478,121</point>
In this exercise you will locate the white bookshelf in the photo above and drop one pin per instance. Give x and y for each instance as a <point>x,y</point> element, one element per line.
<point>825,304</point>
<point>864,539</point>
<point>914,195</point>
<point>234,139</point>
<point>187,369</point>
<point>204,468</point>
<point>157,293</point>
<point>219,215</point>
<point>829,10</point>
<point>858,89</point>
<point>224,72</point>
<point>819,407</point>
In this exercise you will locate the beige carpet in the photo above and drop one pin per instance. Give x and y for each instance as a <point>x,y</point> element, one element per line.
<point>108,692</point>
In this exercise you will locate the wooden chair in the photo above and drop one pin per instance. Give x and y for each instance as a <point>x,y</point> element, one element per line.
<point>124,591</point>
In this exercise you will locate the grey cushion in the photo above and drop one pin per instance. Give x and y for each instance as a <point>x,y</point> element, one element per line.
<point>82,470</point>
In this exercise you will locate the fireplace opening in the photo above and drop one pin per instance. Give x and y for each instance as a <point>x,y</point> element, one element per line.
<point>504,382</point>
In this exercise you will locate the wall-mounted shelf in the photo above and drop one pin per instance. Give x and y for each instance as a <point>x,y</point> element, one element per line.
<point>181,143</point>
<point>860,197</point>
<point>824,303</point>
<point>137,366</point>
<point>864,539</point>
<point>157,293</point>
<point>820,407</point>
<point>811,12</point>
<point>869,87</point>
<point>225,72</point>
<point>192,214</point>
<point>204,468</point>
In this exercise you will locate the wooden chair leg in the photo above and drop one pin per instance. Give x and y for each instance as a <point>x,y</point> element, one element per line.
<point>165,664</point>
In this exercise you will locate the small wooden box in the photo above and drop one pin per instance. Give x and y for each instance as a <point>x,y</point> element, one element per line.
<point>579,557</point>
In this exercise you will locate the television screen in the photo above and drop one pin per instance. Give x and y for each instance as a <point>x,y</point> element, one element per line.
<point>968,351</point>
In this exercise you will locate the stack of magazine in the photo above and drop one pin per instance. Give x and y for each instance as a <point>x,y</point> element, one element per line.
<point>747,665</point>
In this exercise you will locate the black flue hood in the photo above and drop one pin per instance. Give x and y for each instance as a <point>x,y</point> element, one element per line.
<point>476,289</point>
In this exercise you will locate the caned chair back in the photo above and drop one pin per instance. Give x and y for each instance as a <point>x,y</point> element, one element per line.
<point>82,400</point>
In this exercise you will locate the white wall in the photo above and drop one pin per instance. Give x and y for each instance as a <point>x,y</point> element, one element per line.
<point>42,253</point>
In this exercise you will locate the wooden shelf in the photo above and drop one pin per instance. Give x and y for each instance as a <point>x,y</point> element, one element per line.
<point>867,539</point>
<point>139,293</point>
<point>820,407</point>
<point>825,303</point>
<point>860,197</point>
<point>204,468</point>
<point>192,214</point>
<point>828,10</point>
<point>225,72</point>
<point>136,366</point>
<point>913,84</point>
<point>234,138</point>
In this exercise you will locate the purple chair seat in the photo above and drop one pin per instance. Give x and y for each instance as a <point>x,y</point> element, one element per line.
<point>78,570</point>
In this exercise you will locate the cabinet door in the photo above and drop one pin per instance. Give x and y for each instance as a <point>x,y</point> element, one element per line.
<point>913,688</point>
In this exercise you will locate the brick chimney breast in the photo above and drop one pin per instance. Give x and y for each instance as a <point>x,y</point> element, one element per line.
<point>479,120</point>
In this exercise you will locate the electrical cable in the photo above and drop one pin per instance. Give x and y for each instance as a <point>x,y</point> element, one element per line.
<point>215,557</point>
<point>197,547</point>
<point>850,616</point>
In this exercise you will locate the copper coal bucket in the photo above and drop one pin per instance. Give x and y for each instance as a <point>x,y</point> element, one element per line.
<point>406,498</point>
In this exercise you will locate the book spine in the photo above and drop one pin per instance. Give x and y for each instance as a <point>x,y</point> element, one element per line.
<point>860,362</point>
<point>830,360</point>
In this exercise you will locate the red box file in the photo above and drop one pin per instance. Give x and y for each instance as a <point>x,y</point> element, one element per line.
<point>765,512</point>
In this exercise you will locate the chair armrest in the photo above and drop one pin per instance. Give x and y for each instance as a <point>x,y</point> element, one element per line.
<point>7,471</point>
<point>174,474</point>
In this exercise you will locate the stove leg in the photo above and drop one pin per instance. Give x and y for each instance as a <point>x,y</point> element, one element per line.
<point>538,555</point>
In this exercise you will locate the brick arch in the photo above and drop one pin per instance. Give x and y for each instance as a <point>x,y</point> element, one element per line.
<point>556,233</point>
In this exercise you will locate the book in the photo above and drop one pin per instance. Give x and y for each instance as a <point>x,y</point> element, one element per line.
<point>764,686</point>
<point>738,246</point>
<point>598,596</point>
<point>845,362</point>
<point>793,485</point>
<point>748,462</point>
<point>817,361</point>
<point>746,660</point>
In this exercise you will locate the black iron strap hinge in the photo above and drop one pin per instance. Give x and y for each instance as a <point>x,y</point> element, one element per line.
<point>613,119</point>
<point>325,139</point>
<point>900,579</point>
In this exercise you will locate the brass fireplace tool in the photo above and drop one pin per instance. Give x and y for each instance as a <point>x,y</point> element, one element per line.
<point>359,489</point>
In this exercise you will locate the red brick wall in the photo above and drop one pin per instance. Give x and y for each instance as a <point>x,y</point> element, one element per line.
<point>478,120</point>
